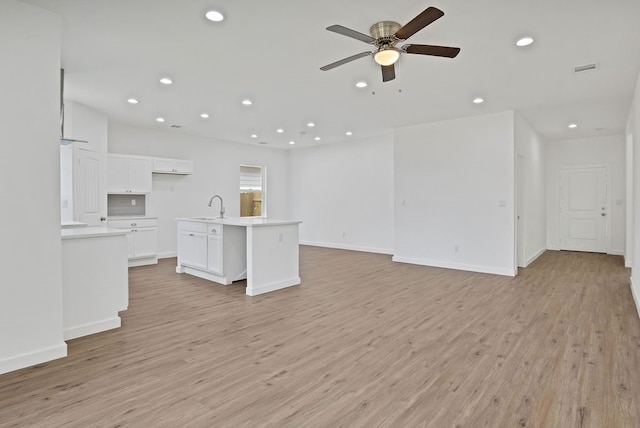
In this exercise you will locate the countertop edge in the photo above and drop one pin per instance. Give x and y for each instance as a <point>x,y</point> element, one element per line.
<point>90,232</point>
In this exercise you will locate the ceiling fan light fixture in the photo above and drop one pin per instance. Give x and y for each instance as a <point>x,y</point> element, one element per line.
<point>386,56</point>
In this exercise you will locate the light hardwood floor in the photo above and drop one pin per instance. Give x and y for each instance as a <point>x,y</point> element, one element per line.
<point>362,342</point>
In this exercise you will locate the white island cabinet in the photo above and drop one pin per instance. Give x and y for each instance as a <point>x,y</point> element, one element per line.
<point>264,251</point>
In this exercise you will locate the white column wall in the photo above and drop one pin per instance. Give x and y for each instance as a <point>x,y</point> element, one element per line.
<point>31,329</point>
<point>633,130</point>
<point>454,194</point>
<point>343,193</point>
<point>595,151</point>
<point>217,171</point>
<point>532,147</point>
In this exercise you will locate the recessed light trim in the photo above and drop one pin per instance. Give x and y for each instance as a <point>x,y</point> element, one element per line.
<point>204,115</point>
<point>166,81</point>
<point>292,142</point>
<point>317,138</point>
<point>214,16</point>
<point>247,102</point>
<point>478,100</point>
<point>311,124</point>
<point>572,126</point>
<point>524,41</point>
<point>279,130</point>
<point>348,133</point>
<point>133,101</point>
<point>361,84</point>
<point>160,119</point>
<point>254,135</point>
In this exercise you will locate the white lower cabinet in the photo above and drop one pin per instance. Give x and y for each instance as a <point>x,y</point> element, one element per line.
<point>192,249</point>
<point>142,239</point>
<point>212,251</point>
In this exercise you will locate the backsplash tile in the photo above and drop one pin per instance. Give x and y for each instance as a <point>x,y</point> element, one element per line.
<point>124,205</point>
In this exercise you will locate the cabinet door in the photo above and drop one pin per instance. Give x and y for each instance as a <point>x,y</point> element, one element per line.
<point>184,166</point>
<point>139,175</point>
<point>192,249</point>
<point>90,197</point>
<point>214,259</point>
<point>117,174</point>
<point>163,166</point>
<point>145,242</point>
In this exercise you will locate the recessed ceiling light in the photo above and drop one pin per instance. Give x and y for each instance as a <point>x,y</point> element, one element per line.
<point>361,84</point>
<point>254,136</point>
<point>279,130</point>
<point>214,15</point>
<point>478,100</point>
<point>524,41</point>
<point>348,133</point>
<point>573,125</point>
<point>247,102</point>
<point>292,142</point>
<point>166,81</point>
<point>311,124</point>
<point>132,101</point>
<point>204,115</point>
<point>159,119</point>
<point>317,138</point>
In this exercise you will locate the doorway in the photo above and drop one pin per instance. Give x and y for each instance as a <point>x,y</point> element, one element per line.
<point>584,223</point>
<point>252,191</point>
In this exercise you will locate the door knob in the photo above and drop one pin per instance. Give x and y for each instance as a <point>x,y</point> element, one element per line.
<point>603,214</point>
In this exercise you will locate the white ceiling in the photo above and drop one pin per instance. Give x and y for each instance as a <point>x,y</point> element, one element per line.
<point>271,51</point>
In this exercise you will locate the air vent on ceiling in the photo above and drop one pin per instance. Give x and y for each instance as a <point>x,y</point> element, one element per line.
<point>586,67</point>
<point>176,126</point>
<point>262,142</point>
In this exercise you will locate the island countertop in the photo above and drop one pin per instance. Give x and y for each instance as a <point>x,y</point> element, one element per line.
<point>90,232</point>
<point>241,221</point>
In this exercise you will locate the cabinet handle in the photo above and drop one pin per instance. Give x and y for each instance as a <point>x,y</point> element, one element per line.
<point>191,234</point>
<point>134,224</point>
<point>213,231</point>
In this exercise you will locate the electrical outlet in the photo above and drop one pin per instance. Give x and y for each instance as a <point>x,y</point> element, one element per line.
<point>133,202</point>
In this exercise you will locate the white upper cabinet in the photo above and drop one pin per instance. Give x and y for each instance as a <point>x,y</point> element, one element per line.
<point>172,166</point>
<point>128,174</point>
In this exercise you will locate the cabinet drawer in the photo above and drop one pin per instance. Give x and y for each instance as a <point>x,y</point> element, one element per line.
<point>189,226</point>
<point>214,229</point>
<point>129,223</point>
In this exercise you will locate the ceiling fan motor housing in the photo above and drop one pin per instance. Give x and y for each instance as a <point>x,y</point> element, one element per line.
<point>384,32</point>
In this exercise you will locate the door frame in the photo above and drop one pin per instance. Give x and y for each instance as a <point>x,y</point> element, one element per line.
<point>608,205</point>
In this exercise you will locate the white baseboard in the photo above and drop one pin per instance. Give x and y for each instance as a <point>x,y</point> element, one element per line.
<point>31,359</point>
<point>627,263</point>
<point>456,266</point>
<point>167,255</point>
<point>636,298</point>
<point>94,327</point>
<point>616,252</point>
<point>348,247</point>
<point>553,247</point>
<point>535,256</point>
<point>265,288</point>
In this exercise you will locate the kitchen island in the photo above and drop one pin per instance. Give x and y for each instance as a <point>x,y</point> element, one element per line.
<point>263,251</point>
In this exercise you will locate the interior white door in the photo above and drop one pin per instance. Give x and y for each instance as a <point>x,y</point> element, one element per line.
<point>583,209</point>
<point>90,199</point>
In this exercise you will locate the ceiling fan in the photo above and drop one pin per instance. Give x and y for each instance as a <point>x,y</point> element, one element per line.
<point>386,34</point>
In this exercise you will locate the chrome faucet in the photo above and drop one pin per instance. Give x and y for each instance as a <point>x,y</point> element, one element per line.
<point>221,204</point>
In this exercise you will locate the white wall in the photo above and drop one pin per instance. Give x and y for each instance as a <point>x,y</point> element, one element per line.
<point>633,130</point>
<point>454,194</point>
<point>531,147</point>
<point>31,328</point>
<point>609,151</point>
<point>343,193</point>
<point>217,171</point>
<point>84,123</point>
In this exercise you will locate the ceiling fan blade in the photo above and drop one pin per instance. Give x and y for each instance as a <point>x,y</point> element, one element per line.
<point>427,16</point>
<point>351,33</point>
<point>445,51</point>
<point>388,72</point>
<point>345,60</point>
